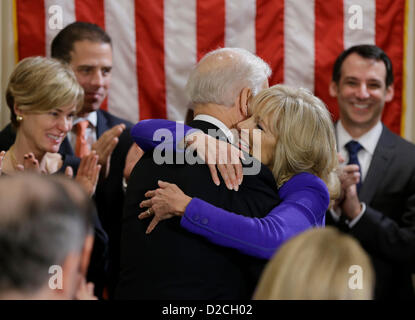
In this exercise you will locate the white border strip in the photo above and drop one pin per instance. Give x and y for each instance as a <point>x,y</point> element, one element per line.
<point>179,54</point>
<point>359,22</point>
<point>58,13</point>
<point>240,18</point>
<point>299,52</point>
<point>120,25</point>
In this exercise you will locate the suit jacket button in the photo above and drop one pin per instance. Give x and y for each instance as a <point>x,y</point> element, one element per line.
<point>196,217</point>
<point>205,221</point>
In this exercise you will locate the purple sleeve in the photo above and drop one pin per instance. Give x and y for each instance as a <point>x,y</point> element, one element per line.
<point>304,198</point>
<point>148,134</point>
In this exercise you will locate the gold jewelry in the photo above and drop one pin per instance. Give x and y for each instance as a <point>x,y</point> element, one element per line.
<point>19,118</point>
<point>149,211</point>
<point>13,157</point>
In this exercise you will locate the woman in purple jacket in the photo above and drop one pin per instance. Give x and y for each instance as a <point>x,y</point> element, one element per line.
<point>297,143</point>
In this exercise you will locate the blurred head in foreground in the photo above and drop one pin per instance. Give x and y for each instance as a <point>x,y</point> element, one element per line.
<point>45,237</point>
<point>319,264</point>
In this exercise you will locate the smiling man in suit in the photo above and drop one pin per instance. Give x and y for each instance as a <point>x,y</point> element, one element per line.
<point>379,210</point>
<point>88,50</point>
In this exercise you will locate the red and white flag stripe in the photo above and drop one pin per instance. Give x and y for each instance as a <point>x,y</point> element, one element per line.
<point>156,43</point>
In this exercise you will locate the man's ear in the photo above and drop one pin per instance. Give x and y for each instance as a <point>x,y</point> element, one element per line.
<point>333,89</point>
<point>86,254</point>
<point>74,269</point>
<point>242,101</point>
<point>390,91</point>
<point>70,275</point>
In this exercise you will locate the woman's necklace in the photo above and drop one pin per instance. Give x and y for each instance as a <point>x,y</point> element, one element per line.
<point>13,158</point>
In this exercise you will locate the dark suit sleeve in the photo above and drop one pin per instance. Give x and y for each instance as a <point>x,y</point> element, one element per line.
<point>7,137</point>
<point>381,235</point>
<point>98,267</point>
<point>387,227</point>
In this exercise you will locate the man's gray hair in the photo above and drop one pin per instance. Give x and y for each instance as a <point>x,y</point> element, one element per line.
<point>221,74</point>
<point>40,224</point>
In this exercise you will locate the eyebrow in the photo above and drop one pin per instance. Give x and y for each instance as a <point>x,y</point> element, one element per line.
<point>93,66</point>
<point>61,111</point>
<point>354,78</point>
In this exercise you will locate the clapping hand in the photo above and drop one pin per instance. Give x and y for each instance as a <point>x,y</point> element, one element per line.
<point>349,175</point>
<point>88,172</point>
<point>105,145</point>
<point>134,154</point>
<point>85,291</point>
<point>30,163</point>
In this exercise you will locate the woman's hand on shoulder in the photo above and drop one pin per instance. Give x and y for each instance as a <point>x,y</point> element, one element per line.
<point>218,155</point>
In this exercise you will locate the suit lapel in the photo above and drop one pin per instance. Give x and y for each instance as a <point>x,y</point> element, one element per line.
<point>102,124</point>
<point>66,147</point>
<point>381,159</point>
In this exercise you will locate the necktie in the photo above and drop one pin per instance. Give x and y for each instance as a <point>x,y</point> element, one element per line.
<point>81,146</point>
<point>353,148</point>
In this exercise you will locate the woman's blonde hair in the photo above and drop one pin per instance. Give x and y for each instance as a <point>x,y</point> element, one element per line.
<point>40,84</point>
<point>319,264</point>
<point>304,131</point>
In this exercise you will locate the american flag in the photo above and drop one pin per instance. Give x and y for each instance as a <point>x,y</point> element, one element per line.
<point>157,42</point>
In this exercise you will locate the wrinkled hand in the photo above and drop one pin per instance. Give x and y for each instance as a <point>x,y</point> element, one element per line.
<point>165,202</point>
<point>134,154</point>
<point>218,155</point>
<point>85,291</point>
<point>88,173</point>
<point>105,145</point>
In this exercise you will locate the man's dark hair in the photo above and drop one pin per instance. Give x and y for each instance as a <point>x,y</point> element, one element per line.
<point>368,52</point>
<point>63,43</point>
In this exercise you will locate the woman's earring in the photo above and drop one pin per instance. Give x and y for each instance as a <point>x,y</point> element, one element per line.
<point>19,118</point>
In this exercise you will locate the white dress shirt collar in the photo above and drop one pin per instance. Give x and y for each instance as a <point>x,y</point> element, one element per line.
<point>217,123</point>
<point>368,141</point>
<point>92,118</point>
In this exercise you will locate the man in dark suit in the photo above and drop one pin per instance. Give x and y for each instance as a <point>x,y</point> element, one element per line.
<point>171,263</point>
<point>88,50</point>
<point>379,210</point>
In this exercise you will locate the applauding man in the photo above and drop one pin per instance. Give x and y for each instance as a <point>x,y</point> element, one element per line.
<point>378,179</point>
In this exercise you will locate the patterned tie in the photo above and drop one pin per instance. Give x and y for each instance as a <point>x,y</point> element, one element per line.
<point>81,147</point>
<point>353,148</point>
